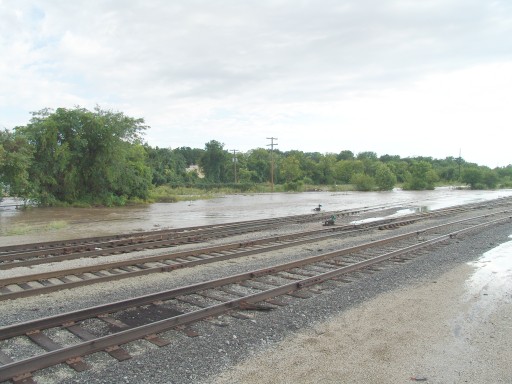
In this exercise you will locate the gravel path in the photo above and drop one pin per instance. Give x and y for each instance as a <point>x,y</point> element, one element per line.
<point>418,320</point>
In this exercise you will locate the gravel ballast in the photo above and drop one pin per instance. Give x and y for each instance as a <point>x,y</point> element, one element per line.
<point>413,321</point>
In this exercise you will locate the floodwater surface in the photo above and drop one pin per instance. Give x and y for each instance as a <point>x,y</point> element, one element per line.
<point>41,224</point>
<point>488,292</point>
<point>491,283</point>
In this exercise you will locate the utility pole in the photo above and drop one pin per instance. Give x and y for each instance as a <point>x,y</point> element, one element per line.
<point>234,160</point>
<point>271,145</point>
<point>459,160</point>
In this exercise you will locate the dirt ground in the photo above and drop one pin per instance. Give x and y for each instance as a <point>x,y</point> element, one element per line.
<point>440,331</point>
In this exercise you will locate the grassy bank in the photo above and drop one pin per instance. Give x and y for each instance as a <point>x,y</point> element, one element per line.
<point>167,194</point>
<point>26,229</point>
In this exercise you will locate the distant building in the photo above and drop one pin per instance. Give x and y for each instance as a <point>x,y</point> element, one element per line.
<point>195,168</point>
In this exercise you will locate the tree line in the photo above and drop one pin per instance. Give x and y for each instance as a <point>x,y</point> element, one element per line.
<point>99,157</point>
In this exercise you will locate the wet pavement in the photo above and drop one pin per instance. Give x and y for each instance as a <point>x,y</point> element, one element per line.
<point>491,283</point>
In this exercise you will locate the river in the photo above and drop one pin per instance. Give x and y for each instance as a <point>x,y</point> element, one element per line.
<point>41,224</point>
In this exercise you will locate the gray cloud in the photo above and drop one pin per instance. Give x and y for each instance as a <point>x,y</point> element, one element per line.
<point>166,59</point>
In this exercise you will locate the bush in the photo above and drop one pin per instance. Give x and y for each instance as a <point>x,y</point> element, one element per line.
<point>295,186</point>
<point>363,182</point>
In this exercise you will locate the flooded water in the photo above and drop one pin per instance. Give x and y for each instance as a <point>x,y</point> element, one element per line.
<point>40,224</point>
<point>491,283</point>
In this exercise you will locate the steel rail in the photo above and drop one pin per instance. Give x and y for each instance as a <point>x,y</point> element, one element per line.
<point>66,246</point>
<point>55,245</point>
<point>28,365</point>
<point>234,230</point>
<point>129,244</point>
<point>381,224</point>
<point>89,241</point>
<point>103,245</point>
<point>166,295</point>
<point>21,328</point>
<point>241,250</point>
<point>39,256</point>
<point>34,257</point>
<point>138,264</point>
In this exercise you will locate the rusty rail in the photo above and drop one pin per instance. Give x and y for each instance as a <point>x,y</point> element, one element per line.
<point>168,262</point>
<point>28,365</point>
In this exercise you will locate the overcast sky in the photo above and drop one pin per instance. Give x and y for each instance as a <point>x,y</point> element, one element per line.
<point>397,77</point>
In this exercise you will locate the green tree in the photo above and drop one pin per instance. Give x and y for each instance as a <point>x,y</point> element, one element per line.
<point>345,155</point>
<point>78,155</point>
<point>363,182</point>
<point>167,166</point>
<point>345,169</point>
<point>290,169</point>
<point>15,160</point>
<point>258,164</point>
<point>505,176</point>
<point>133,176</point>
<point>400,169</point>
<point>490,178</point>
<point>384,178</point>
<point>310,170</point>
<point>326,169</point>
<point>214,162</point>
<point>315,156</point>
<point>307,167</point>
<point>473,177</point>
<point>367,156</point>
<point>421,176</point>
<point>389,158</point>
<point>191,155</point>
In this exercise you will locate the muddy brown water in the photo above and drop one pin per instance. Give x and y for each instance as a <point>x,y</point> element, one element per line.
<point>43,224</point>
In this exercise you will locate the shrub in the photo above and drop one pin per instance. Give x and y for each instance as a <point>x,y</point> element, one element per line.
<point>363,182</point>
<point>295,186</point>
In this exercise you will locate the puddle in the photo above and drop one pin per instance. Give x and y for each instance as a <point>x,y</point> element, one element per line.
<point>487,289</point>
<point>399,213</point>
<point>493,275</point>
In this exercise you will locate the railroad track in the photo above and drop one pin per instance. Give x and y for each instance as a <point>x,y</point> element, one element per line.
<point>106,328</point>
<point>52,251</point>
<point>24,255</point>
<point>58,279</point>
<point>103,245</point>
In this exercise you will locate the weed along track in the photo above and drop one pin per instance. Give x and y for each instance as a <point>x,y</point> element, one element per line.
<point>75,341</point>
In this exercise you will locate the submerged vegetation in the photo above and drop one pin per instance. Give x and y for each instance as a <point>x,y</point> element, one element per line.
<point>76,157</point>
<point>25,229</point>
